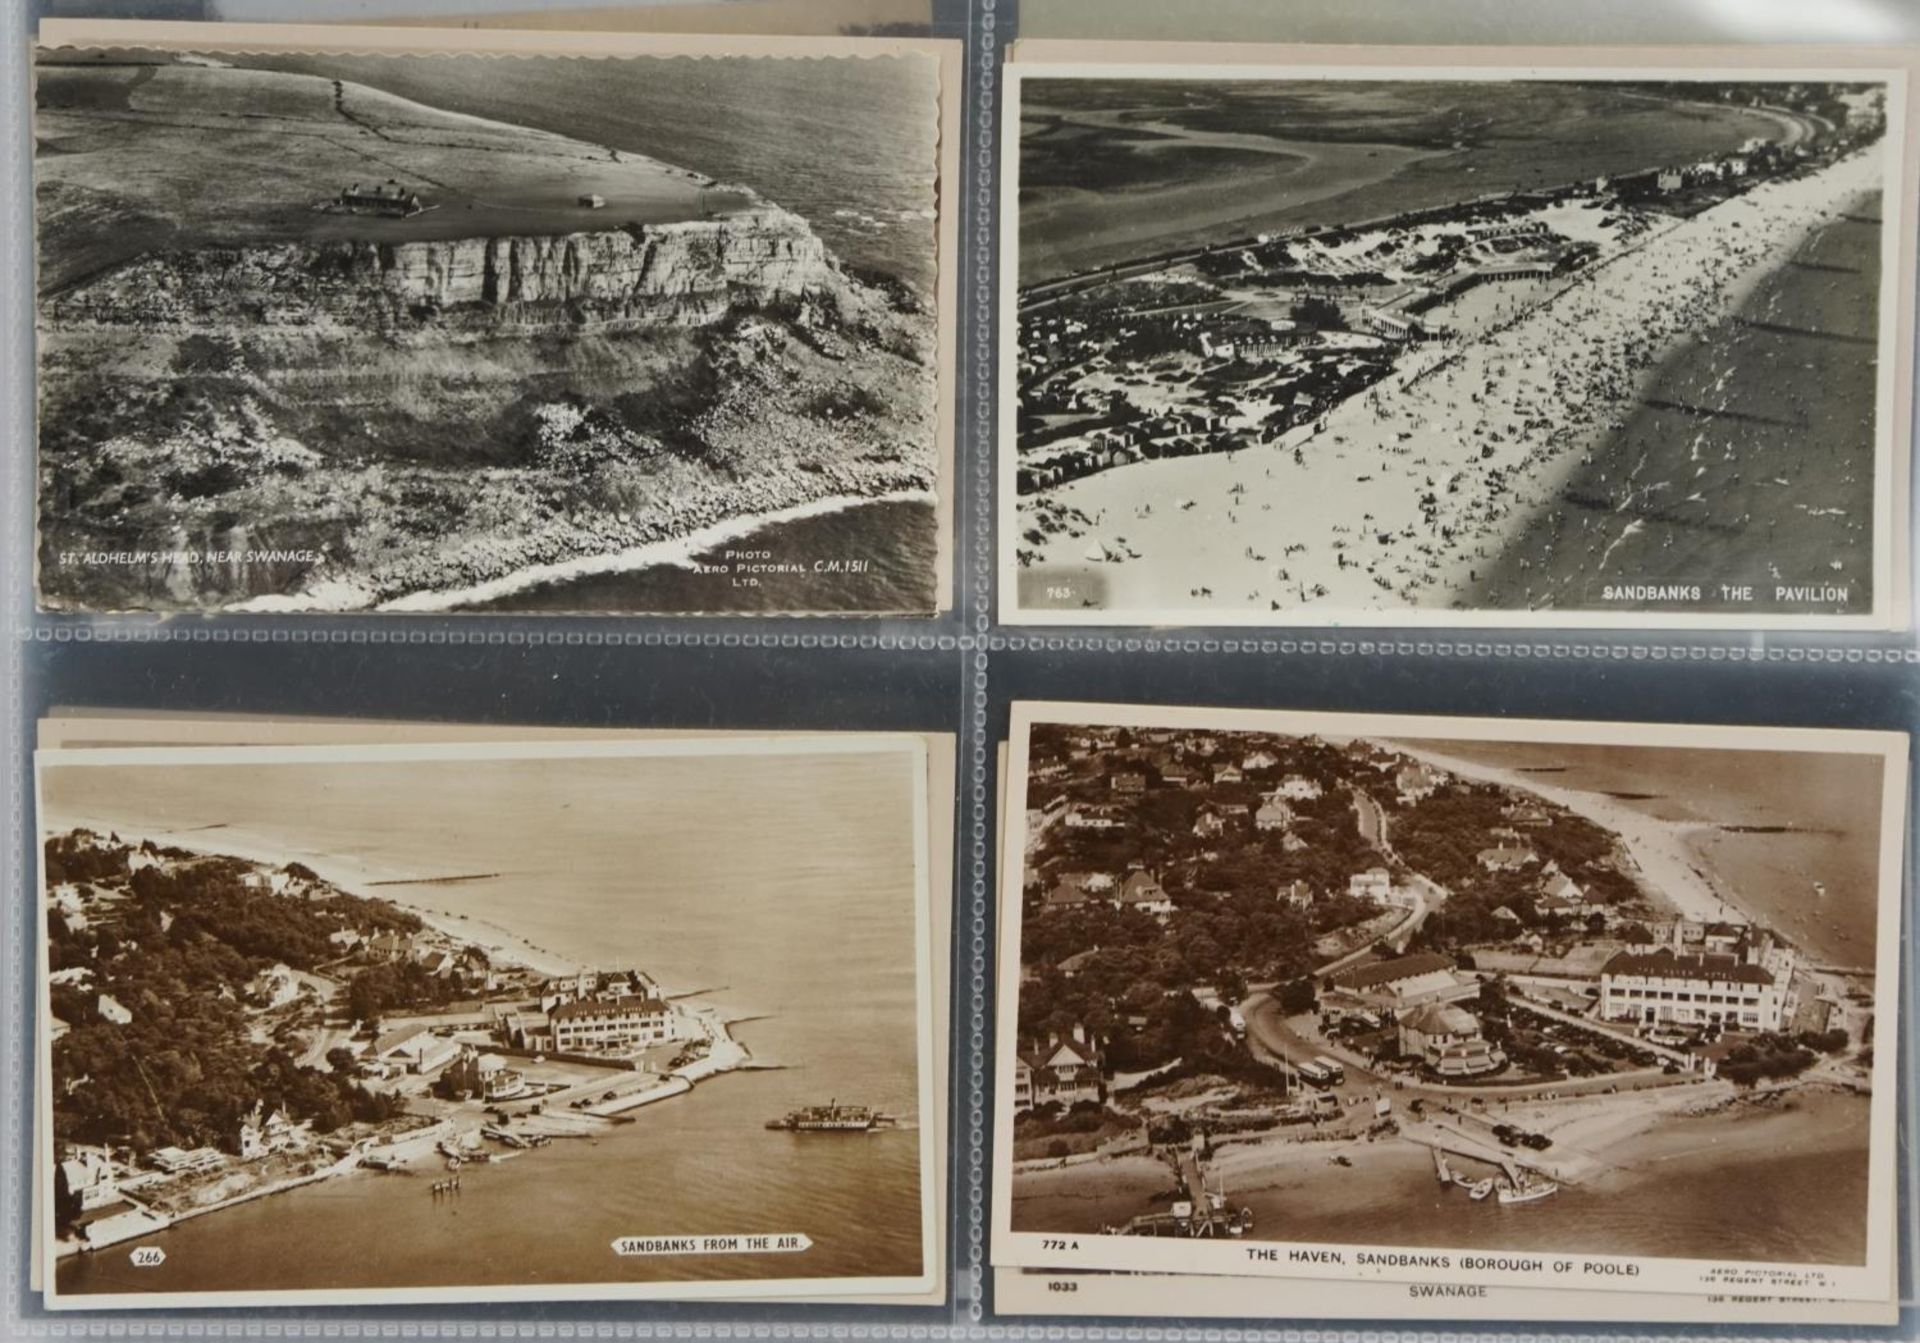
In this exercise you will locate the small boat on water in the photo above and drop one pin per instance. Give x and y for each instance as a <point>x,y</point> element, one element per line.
<point>1527,1191</point>
<point>1478,1189</point>
<point>504,1136</point>
<point>833,1117</point>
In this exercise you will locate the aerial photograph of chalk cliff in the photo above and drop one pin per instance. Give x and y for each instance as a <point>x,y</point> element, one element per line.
<point>1306,349</point>
<point>460,333</point>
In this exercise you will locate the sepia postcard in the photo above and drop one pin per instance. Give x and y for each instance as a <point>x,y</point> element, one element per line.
<point>381,319</point>
<point>1495,337</point>
<point>399,1021</point>
<point>72,727</point>
<point>1449,1004</point>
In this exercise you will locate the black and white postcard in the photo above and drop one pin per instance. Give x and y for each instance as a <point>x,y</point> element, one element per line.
<point>1514,338</point>
<point>465,1021</point>
<point>482,323</point>
<point>1450,1002</point>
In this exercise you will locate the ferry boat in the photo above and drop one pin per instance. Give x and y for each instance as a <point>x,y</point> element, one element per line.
<point>832,1117</point>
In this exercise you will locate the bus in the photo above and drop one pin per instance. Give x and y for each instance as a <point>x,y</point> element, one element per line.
<point>1314,1073</point>
<point>1334,1069</point>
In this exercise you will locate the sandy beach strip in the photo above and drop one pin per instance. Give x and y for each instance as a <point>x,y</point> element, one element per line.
<point>1459,421</point>
<point>1663,850</point>
<point>680,552</point>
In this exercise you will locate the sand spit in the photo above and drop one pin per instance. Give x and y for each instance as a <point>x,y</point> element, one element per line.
<point>1408,491</point>
<point>355,876</point>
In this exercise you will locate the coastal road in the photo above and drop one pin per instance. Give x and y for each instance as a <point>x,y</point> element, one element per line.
<point>1371,820</point>
<point>1273,1038</point>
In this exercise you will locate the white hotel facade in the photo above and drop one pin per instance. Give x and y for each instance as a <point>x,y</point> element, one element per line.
<point>1658,987</point>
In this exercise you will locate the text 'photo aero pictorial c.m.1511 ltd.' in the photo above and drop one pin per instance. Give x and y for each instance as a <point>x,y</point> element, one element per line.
<point>607,324</point>
<point>1401,338</point>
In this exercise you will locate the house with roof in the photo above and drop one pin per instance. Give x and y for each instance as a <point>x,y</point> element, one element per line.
<point>1077,962</point>
<point>526,1030</point>
<point>1130,783</point>
<point>1375,884</point>
<point>389,944</point>
<point>1417,781</point>
<point>276,986</point>
<point>1072,889</point>
<point>1506,858</point>
<point>1061,1070</point>
<point>1563,898</point>
<point>1022,1084</point>
<point>1273,815</point>
<point>1399,984</point>
<point>1256,761</point>
<point>1094,818</point>
<point>1142,891</point>
<point>485,1075</point>
<point>416,1049</point>
<point>1725,938</point>
<point>1657,987</point>
<point>110,1009</point>
<point>91,1173</point>
<point>1296,895</point>
<point>263,1135</point>
<point>1446,1039</point>
<point>1298,788</point>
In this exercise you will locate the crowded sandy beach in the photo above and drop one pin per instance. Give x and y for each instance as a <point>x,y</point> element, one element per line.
<point>1406,495</point>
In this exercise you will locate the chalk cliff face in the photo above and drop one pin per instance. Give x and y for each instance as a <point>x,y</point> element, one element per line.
<point>687,273</point>
<point>363,421</point>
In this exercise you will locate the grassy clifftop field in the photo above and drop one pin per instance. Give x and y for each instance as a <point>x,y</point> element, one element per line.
<point>138,156</point>
<point>566,350</point>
